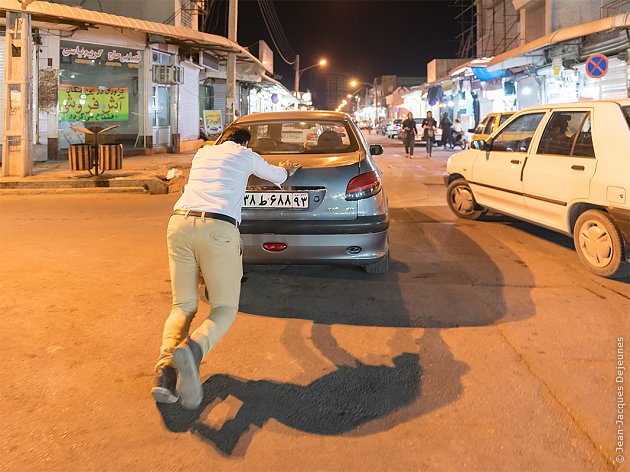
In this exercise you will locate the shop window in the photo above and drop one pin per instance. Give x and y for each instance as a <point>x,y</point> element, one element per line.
<point>562,133</point>
<point>100,86</point>
<point>517,136</point>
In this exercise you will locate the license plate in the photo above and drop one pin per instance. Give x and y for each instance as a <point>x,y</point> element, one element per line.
<point>297,200</point>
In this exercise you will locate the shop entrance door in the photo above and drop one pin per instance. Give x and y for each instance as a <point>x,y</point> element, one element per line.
<point>161,115</point>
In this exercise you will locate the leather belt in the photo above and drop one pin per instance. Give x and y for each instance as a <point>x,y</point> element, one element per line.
<point>207,214</point>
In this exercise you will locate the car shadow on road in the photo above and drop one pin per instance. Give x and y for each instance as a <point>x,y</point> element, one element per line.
<point>423,295</point>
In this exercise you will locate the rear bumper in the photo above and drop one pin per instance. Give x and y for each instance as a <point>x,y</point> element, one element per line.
<point>360,225</point>
<point>316,248</point>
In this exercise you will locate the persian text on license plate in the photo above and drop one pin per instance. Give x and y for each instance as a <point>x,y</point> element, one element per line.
<point>276,200</point>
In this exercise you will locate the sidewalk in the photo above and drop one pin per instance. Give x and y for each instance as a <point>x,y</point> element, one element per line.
<point>140,174</point>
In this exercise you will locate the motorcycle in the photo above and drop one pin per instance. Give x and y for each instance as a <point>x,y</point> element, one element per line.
<point>459,139</point>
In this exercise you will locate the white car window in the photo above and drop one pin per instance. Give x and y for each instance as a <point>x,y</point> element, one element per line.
<point>517,136</point>
<point>562,131</point>
<point>584,144</point>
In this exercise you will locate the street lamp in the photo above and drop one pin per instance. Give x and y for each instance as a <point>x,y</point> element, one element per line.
<point>298,71</point>
<point>355,83</point>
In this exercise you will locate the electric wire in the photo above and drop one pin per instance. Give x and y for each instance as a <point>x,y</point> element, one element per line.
<point>275,21</point>
<point>278,28</point>
<point>272,28</point>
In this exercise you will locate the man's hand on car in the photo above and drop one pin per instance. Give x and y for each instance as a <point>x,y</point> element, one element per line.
<point>290,167</point>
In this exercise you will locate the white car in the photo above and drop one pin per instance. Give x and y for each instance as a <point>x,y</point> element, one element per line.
<point>563,166</point>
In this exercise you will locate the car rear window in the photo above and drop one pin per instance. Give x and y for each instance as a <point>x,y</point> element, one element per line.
<point>626,113</point>
<point>300,137</point>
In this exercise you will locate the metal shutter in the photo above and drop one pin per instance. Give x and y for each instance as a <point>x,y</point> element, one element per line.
<point>615,83</point>
<point>2,45</point>
<point>189,103</point>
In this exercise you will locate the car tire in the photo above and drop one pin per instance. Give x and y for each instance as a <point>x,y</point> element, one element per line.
<point>599,244</point>
<point>380,267</point>
<point>462,202</point>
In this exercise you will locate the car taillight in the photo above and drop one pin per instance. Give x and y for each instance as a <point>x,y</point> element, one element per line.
<point>274,247</point>
<point>363,186</point>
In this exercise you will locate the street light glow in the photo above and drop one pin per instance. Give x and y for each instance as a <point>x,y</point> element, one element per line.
<point>323,62</point>
<point>354,83</point>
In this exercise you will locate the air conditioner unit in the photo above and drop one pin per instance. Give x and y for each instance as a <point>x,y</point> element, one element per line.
<point>168,74</point>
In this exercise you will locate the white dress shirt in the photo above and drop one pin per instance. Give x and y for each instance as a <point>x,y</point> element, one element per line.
<point>218,178</point>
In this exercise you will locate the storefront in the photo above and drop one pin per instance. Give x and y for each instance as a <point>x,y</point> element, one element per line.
<point>2,47</point>
<point>615,84</point>
<point>100,86</point>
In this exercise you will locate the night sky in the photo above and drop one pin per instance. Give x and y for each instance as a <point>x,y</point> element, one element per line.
<point>363,38</point>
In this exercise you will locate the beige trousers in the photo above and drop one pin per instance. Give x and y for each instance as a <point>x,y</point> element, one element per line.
<point>215,248</point>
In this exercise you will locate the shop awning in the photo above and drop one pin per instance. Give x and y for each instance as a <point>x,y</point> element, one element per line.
<point>518,56</point>
<point>467,66</point>
<point>277,87</point>
<point>53,13</point>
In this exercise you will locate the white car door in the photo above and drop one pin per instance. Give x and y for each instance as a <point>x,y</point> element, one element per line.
<point>496,177</point>
<point>561,169</point>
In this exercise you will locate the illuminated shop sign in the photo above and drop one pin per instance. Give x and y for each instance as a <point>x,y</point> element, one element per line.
<point>87,103</point>
<point>93,55</point>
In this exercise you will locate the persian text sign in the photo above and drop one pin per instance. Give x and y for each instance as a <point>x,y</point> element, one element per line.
<point>87,103</point>
<point>213,121</point>
<point>124,56</point>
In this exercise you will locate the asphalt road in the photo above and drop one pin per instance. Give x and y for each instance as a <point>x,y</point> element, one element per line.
<point>487,346</point>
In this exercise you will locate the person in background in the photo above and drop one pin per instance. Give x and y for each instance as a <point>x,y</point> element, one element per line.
<point>428,125</point>
<point>410,130</point>
<point>447,134</point>
<point>458,131</point>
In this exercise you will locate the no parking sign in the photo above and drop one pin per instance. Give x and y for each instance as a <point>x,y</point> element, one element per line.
<point>597,66</point>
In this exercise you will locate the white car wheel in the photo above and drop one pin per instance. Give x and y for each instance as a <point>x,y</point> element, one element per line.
<point>461,200</point>
<point>599,244</point>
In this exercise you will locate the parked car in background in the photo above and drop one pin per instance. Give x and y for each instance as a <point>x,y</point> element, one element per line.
<point>331,211</point>
<point>394,128</point>
<point>563,166</point>
<point>489,125</point>
<point>419,140</point>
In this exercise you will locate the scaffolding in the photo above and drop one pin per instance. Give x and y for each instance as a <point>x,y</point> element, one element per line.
<point>613,7</point>
<point>487,27</point>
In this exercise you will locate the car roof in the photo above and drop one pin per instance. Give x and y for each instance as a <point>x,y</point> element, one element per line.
<point>586,103</point>
<point>294,115</point>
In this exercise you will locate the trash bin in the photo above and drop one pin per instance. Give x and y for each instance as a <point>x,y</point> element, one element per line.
<point>110,156</point>
<point>80,156</point>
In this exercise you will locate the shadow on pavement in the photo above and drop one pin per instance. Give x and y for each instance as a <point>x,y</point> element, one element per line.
<point>427,290</point>
<point>358,400</point>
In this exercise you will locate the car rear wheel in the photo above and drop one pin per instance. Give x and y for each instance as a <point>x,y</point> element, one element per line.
<point>380,267</point>
<point>599,244</point>
<point>462,202</point>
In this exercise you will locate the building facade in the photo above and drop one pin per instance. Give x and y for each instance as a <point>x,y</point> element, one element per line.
<point>157,84</point>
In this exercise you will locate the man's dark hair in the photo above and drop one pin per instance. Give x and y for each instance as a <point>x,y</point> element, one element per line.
<point>237,134</point>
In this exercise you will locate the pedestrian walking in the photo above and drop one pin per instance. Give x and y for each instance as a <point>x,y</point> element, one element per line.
<point>447,133</point>
<point>410,130</point>
<point>428,125</point>
<point>203,236</point>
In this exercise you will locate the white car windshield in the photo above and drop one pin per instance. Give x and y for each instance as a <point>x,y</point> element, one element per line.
<point>626,113</point>
<point>300,137</point>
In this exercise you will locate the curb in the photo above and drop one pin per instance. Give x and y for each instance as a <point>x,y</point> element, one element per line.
<point>152,186</point>
<point>68,191</point>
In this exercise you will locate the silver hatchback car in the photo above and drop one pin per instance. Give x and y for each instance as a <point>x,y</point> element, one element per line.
<point>331,211</point>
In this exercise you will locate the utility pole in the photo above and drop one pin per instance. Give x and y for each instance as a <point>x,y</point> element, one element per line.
<point>17,155</point>
<point>297,75</point>
<point>231,62</point>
